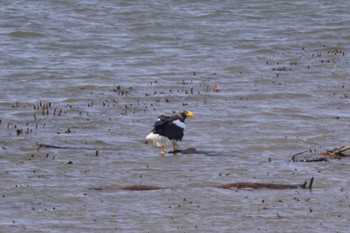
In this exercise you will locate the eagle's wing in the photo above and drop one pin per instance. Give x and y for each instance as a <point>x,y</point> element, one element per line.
<point>165,126</point>
<point>163,120</point>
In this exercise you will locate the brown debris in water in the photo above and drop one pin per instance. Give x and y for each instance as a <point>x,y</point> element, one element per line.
<point>19,131</point>
<point>337,153</point>
<point>16,105</point>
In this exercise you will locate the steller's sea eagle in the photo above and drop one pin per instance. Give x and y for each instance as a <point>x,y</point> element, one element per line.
<point>169,129</point>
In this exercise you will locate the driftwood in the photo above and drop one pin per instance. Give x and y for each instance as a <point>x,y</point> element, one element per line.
<point>240,185</point>
<point>337,153</point>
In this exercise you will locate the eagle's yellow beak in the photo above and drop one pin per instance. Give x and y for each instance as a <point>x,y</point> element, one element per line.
<point>189,114</point>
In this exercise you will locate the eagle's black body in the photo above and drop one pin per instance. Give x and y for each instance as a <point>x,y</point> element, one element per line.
<point>165,126</point>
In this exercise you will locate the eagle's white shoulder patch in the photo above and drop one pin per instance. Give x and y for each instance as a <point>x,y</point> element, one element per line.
<point>179,124</point>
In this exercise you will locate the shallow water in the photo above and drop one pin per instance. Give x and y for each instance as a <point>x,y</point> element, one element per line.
<point>265,81</point>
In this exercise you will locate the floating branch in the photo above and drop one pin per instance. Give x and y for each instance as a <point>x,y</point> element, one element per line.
<point>337,153</point>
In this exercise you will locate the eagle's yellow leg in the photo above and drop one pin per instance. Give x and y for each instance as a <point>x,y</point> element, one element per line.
<point>174,147</point>
<point>162,151</point>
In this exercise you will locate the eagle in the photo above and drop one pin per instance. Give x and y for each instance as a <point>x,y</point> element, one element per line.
<point>169,129</point>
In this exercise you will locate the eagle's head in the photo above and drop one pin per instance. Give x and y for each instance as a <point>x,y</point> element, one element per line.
<point>185,114</point>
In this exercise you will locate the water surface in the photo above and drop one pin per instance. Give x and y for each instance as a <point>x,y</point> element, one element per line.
<point>265,80</point>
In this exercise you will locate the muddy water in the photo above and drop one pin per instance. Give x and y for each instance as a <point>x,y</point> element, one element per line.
<point>265,81</point>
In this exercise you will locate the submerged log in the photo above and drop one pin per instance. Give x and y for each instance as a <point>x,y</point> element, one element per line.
<point>240,185</point>
<point>130,187</point>
<point>40,146</point>
<point>191,151</point>
<point>250,185</point>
